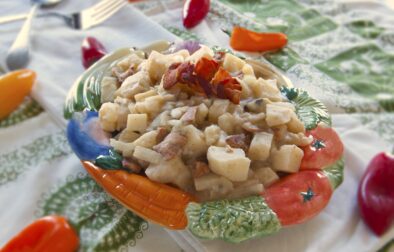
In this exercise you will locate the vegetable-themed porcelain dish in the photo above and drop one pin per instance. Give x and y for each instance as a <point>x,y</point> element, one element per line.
<point>194,137</point>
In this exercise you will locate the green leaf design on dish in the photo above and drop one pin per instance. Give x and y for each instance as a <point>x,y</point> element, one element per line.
<point>111,162</point>
<point>86,91</point>
<point>335,173</point>
<point>310,111</point>
<point>232,220</point>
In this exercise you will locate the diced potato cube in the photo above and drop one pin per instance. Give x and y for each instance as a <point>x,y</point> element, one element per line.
<point>204,51</point>
<point>173,171</point>
<point>202,112</point>
<point>250,190</point>
<point>154,104</point>
<point>158,63</point>
<point>212,134</point>
<point>213,182</point>
<point>295,125</point>
<point>247,70</point>
<point>270,90</point>
<point>108,116</point>
<point>218,108</point>
<point>123,111</point>
<point>254,85</point>
<point>277,115</point>
<point>142,96</point>
<point>195,145</point>
<point>128,136</point>
<point>108,88</point>
<point>284,104</point>
<point>147,155</point>
<point>266,175</point>
<point>228,162</point>
<point>260,146</point>
<point>222,139</point>
<point>137,122</point>
<point>232,63</point>
<point>126,149</point>
<point>246,90</point>
<point>227,122</point>
<point>177,113</point>
<point>147,140</point>
<point>287,158</point>
<point>134,84</point>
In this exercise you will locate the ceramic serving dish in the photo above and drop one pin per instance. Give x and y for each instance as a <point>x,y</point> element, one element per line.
<point>294,199</point>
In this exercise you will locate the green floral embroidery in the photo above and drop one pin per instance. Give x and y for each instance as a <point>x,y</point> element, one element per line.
<point>367,70</point>
<point>298,22</point>
<point>102,223</point>
<point>28,109</point>
<point>365,28</point>
<point>45,148</point>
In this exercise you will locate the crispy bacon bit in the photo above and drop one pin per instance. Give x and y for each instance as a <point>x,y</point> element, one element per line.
<point>199,169</point>
<point>206,68</point>
<point>206,78</point>
<point>131,164</point>
<point>161,134</point>
<point>171,146</point>
<point>239,141</point>
<point>190,115</point>
<point>171,76</point>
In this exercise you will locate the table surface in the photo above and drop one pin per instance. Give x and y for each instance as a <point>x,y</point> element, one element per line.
<point>341,52</point>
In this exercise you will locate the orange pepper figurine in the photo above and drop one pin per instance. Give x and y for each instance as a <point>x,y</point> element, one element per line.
<point>14,86</point>
<point>246,40</point>
<point>48,234</point>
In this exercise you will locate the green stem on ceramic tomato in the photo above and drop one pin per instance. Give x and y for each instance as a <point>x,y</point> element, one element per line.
<point>376,193</point>
<point>92,50</point>
<point>299,197</point>
<point>50,233</point>
<point>325,150</point>
<point>194,11</point>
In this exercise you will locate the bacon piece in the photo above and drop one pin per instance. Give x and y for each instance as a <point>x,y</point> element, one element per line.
<point>170,77</point>
<point>131,164</point>
<point>122,76</point>
<point>206,68</point>
<point>161,134</point>
<point>239,141</point>
<point>171,146</point>
<point>199,169</point>
<point>190,115</point>
<point>250,127</point>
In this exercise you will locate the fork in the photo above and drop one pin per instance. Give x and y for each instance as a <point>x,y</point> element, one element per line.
<point>91,16</point>
<point>18,55</point>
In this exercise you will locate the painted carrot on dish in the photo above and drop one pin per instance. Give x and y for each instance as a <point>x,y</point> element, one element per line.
<point>154,201</point>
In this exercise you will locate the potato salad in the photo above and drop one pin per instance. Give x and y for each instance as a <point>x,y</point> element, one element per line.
<point>205,122</point>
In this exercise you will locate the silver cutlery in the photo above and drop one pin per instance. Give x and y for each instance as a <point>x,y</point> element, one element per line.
<point>18,55</point>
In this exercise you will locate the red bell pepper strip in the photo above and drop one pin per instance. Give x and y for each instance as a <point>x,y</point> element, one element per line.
<point>376,193</point>
<point>92,50</point>
<point>48,234</point>
<point>246,40</point>
<point>194,11</point>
